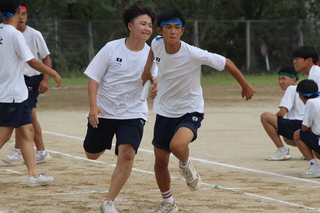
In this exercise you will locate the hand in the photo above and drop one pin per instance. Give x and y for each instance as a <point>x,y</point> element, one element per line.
<point>57,79</point>
<point>154,89</point>
<point>43,87</point>
<point>146,75</point>
<point>247,92</point>
<point>93,116</point>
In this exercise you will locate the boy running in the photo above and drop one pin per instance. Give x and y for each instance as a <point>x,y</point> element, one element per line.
<point>114,90</point>
<point>179,103</point>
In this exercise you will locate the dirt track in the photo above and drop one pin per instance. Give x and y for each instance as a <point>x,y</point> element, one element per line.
<point>228,153</point>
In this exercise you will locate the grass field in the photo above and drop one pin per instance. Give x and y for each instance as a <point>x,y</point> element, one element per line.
<point>219,78</point>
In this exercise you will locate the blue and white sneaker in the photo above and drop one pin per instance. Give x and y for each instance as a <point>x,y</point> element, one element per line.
<point>280,156</point>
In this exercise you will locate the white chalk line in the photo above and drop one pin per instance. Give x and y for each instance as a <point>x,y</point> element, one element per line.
<point>208,162</point>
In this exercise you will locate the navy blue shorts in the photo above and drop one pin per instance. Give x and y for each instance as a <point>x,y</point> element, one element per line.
<point>33,84</point>
<point>311,140</point>
<point>165,128</point>
<point>127,132</point>
<point>14,114</point>
<point>287,127</point>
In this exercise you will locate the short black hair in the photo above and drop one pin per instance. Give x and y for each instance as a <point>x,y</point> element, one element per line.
<point>305,52</point>
<point>9,5</point>
<point>289,70</point>
<point>171,14</point>
<point>135,10</point>
<point>308,86</point>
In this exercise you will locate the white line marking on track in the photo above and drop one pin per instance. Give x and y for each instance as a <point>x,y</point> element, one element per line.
<point>13,171</point>
<point>207,184</point>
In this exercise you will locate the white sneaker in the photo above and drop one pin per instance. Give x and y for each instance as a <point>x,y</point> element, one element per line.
<point>310,173</point>
<point>192,177</point>
<point>13,157</point>
<point>280,156</point>
<point>42,180</point>
<point>166,208</point>
<point>40,158</point>
<point>107,207</point>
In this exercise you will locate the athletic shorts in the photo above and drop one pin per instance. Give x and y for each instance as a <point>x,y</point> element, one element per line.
<point>311,140</point>
<point>33,84</point>
<point>165,128</point>
<point>14,114</point>
<point>287,127</point>
<point>127,132</point>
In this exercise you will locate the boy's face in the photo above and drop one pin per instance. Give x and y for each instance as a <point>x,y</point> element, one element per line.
<point>285,81</point>
<point>171,33</point>
<point>302,65</point>
<point>141,28</point>
<point>23,19</point>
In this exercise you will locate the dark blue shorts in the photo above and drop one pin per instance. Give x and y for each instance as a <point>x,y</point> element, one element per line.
<point>33,84</point>
<point>287,127</point>
<point>14,114</point>
<point>127,132</point>
<point>165,128</point>
<point>311,140</point>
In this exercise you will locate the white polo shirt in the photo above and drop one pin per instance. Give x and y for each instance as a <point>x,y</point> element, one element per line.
<point>14,53</point>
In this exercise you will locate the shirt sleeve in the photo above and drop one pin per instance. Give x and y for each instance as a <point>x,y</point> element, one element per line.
<point>21,48</point>
<point>287,100</point>
<point>99,65</point>
<point>42,46</point>
<point>308,114</point>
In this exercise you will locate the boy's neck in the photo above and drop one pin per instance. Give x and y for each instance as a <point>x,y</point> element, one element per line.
<point>172,48</point>
<point>134,44</point>
<point>12,21</point>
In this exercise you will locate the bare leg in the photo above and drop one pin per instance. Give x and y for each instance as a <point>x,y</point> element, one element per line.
<point>27,149</point>
<point>5,134</point>
<point>122,171</point>
<point>179,144</point>
<point>161,169</point>
<point>270,124</point>
<point>38,140</point>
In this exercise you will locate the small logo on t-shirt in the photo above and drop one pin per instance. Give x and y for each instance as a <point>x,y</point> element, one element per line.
<point>1,40</point>
<point>158,59</point>
<point>118,61</point>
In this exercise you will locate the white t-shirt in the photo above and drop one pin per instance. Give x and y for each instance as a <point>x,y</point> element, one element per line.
<point>179,88</point>
<point>314,74</point>
<point>293,103</point>
<point>312,115</point>
<point>14,54</point>
<point>118,72</point>
<point>38,47</point>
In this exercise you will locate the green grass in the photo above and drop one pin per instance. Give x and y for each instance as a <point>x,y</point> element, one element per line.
<point>225,78</point>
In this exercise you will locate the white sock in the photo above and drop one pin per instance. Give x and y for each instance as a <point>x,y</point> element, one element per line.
<point>282,149</point>
<point>44,152</point>
<point>183,165</point>
<point>313,163</point>
<point>18,150</point>
<point>167,196</point>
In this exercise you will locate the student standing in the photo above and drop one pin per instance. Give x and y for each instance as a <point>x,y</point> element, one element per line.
<point>14,111</point>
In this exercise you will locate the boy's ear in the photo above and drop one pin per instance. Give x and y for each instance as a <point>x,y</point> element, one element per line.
<point>309,60</point>
<point>159,30</point>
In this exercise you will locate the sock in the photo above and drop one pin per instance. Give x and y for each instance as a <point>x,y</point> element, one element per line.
<point>44,152</point>
<point>183,165</point>
<point>167,196</point>
<point>18,150</point>
<point>282,149</point>
<point>313,163</point>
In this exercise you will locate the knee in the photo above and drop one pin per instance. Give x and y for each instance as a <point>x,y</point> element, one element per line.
<point>93,156</point>
<point>264,116</point>
<point>127,152</point>
<point>296,136</point>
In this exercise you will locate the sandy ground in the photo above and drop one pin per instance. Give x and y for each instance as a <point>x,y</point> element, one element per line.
<point>229,153</point>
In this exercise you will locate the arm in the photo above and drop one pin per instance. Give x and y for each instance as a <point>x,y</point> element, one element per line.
<point>44,85</point>
<point>282,112</point>
<point>94,109</point>
<point>305,128</point>
<point>146,75</point>
<point>37,65</point>
<point>247,89</point>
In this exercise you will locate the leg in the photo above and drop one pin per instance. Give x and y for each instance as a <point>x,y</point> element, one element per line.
<point>38,140</point>
<point>270,124</point>
<point>27,149</point>
<point>5,134</point>
<point>289,142</point>
<point>122,171</point>
<point>161,169</point>
<point>304,149</point>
